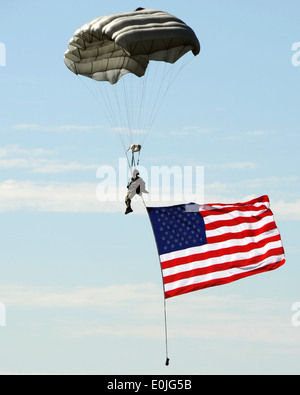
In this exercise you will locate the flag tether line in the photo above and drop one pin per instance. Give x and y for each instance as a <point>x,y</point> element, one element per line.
<point>165,305</point>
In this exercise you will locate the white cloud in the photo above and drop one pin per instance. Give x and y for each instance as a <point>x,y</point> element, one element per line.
<point>127,130</point>
<point>44,165</point>
<point>114,296</point>
<point>80,197</point>
<point>192,131</point>
<point>260,132</point>
<point>230,317</point>
<point>14,157</point>
<point>13,150</point>
<point>232,165</point>
<point>274,183</point>
<point>55,128</point>
<point>287,210</point>
<point>41,196</point>
<point>58,167</point>
<point>249,134</point>
<point>84,197</point>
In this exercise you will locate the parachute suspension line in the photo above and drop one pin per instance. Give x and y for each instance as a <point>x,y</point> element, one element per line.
<point>141,98</point>
<point>159,97</point>
<point>120,124</point>
<point>117,122</point>
<point>165,304</point>
<point>109,114</point>
<point>126,92</point>
<point>169,75</point>
<point>129,123</point>
<point>142,105</point>
<point>111,99</point>
<point>159,91</point>
<point>107,106</point>
<point>133,91</point>
<point>186,60</point>
<point>131,106</point>
<point>154,91</point>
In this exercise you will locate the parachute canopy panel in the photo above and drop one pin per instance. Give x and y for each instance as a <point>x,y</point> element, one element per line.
<point>110,46</point>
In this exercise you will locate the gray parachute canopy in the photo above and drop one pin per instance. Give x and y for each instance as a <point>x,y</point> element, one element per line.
<point>110,46</point>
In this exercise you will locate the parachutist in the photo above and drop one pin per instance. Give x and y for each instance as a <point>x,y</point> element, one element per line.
<point>135,187</point>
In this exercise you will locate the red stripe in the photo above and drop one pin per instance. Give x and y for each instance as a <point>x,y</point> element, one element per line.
<point>240,235</point>
<point>220,281</point>
<point>219,267</point>
<point>236,221</point>
<point>201,256</point>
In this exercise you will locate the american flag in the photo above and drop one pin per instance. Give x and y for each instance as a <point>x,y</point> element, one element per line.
<point>201,246</point>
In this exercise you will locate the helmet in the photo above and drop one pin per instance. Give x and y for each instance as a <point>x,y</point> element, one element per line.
<point>135,172</point>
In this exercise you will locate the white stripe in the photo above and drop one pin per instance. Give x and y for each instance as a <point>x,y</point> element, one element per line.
<point>215,246</point>
<point>221,274</point>
<point>221,260</point>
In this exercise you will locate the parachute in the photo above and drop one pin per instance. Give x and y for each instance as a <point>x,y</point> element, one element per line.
<point>109,47</point>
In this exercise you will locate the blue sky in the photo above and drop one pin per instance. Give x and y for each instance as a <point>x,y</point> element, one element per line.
<point>81,281</point>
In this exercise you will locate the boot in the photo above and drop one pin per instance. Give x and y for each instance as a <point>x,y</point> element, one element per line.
<point>128,210</point>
